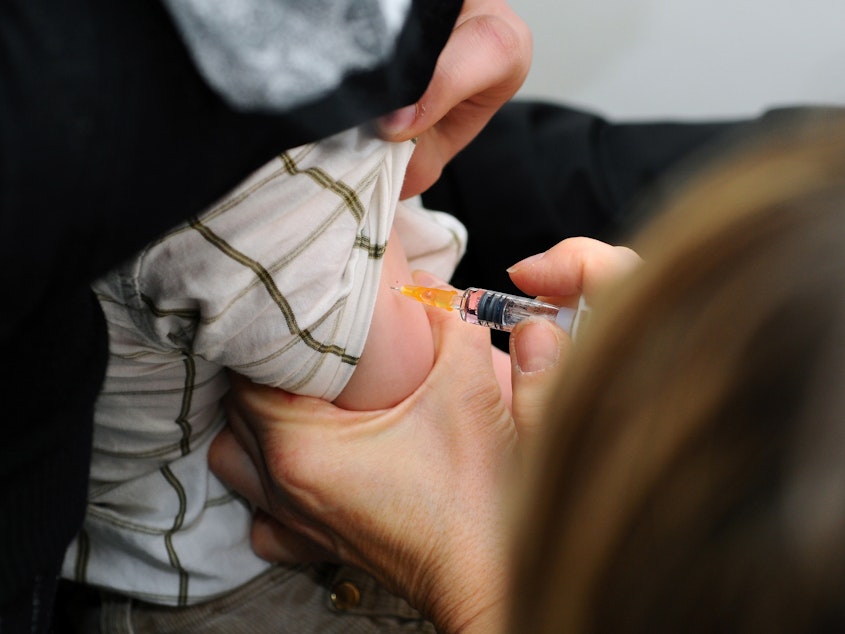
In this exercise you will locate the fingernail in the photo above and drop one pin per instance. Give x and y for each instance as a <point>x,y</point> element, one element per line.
<point>535,346</point>
<point>398,121</point>
<point>424,278</point>
<point>526,262</point>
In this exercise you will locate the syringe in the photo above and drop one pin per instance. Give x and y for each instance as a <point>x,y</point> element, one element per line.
<point>493,309</point>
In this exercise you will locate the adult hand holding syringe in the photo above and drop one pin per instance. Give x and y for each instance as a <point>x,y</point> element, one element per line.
<point>446,429</point>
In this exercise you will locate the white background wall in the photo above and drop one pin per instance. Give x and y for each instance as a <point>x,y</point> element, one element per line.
<point>686,59</point>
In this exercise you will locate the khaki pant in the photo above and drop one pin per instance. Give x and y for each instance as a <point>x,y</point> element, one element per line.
<point>322,599</point>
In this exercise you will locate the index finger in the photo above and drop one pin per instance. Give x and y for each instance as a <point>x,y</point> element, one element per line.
<point>574,266</point>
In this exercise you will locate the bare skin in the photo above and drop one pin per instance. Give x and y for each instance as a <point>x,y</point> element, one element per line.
<point>482,65</point>
<point>421,505</point>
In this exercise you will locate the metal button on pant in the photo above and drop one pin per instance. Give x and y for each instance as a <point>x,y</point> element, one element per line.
<point>345,595</point>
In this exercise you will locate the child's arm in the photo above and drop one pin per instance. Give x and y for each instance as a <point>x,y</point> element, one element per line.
<point>399,351</point>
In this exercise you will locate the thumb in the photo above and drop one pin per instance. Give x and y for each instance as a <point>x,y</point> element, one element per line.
<point>537,349</point>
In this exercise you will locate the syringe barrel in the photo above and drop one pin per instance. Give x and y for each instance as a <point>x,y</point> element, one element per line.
<point>502,311</point>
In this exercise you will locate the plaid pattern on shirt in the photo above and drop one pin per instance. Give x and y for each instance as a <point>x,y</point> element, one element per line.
<point>277,281</point>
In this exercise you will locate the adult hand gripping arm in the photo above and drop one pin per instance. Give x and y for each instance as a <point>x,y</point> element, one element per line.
<point>414,494</point>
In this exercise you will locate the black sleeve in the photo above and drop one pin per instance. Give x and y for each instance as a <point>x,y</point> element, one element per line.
<point>540,173</point>
<point>107,130</point>
<point>108,137</point>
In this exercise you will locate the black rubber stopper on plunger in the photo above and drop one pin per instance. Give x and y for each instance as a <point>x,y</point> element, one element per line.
<point>491,308</point>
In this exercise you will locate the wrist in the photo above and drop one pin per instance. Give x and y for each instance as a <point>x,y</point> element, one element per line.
<point>471,598</point>
<point>475,615</point>
<point>488,619</point>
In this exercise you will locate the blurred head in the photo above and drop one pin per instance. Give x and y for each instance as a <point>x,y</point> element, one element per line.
<point>694,475</point>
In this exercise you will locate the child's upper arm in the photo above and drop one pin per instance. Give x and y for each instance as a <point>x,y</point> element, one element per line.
<point>399,351</point>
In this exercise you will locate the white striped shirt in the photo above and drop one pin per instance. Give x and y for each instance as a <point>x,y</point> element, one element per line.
<point>277,281</point>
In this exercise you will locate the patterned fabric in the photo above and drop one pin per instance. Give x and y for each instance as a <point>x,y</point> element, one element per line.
<point>277,281</point>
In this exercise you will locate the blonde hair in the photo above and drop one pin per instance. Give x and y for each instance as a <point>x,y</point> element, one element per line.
<point>694,473</point>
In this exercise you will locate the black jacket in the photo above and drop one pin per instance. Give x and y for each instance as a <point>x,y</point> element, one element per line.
<point>108,137</point>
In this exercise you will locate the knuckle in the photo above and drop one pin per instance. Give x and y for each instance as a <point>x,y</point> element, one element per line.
<point>509,41</point>
<point>261,546</point>
<point>295,469</point>
<point>263,550</point>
